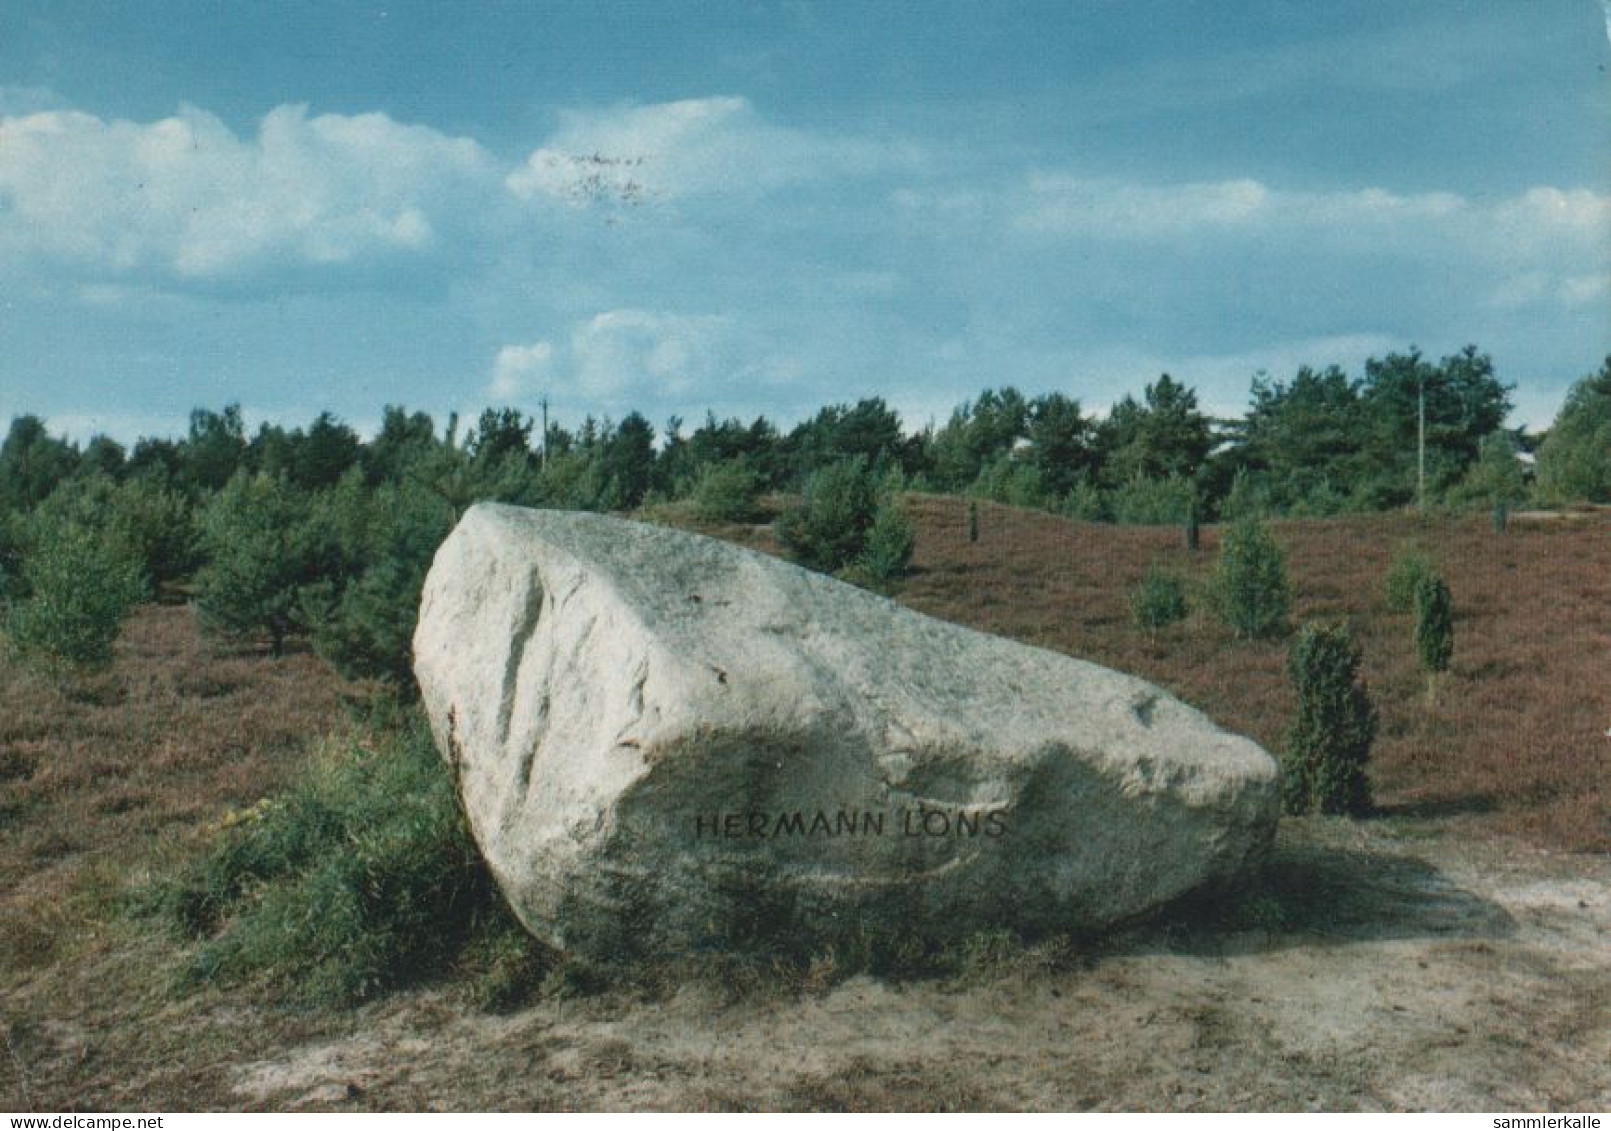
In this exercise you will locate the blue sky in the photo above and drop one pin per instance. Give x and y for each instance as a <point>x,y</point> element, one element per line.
<point>762,207</point>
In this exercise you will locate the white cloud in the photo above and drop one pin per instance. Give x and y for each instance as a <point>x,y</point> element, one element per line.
<point>1223,378</point>
<point>124,427</point>
<point>1546,222</point>
<point>1582,290</point>
<point>1068,206</point>
<point>520,370</point>
<point>1533,289</point>
<point>918,270</point>
<point>948,373</point>
<point>620,354</point>
<point>128,428</point>
<point>687,148</point>
<point>1369,206</point>
<point>1542,244</point>
<point>654,361</point>
<point>1522,290</point>
<point>186,196</point>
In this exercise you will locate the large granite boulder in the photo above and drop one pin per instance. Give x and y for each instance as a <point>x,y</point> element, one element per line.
<point>666,742</point>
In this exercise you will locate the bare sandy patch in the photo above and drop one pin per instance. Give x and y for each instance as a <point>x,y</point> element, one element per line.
<point>1438,973</point>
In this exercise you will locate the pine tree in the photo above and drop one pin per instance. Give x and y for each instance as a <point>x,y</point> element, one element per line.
<point>1434,630</point>
<point>889,545</point>
<point>1323,767</point>
<point>81,587</point>
<point>1250,580</point>
<point>259,553</point>
<point>827,530</point>
<point>727,491</point>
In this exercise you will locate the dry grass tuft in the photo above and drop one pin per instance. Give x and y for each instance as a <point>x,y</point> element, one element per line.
<point>865,1085</point>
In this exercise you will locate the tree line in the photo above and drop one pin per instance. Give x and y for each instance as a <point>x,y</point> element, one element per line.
<point>318,531</point>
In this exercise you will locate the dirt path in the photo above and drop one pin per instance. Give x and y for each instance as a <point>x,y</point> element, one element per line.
<point>1393,970</point>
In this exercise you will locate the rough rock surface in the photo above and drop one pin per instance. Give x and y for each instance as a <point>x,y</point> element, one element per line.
<point>666,742</point>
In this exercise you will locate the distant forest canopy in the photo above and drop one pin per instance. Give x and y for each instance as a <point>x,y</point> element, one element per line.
<point>1321,443</point>
<point>314,532</point>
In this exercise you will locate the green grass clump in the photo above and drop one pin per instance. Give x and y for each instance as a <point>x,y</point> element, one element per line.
<point>1158,601</point>
<point>361,879</point>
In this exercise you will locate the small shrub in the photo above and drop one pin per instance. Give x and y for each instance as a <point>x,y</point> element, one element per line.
<point>1145,501</point>
<point>1086,502</point>
<point>81,586</point>
<point>1328,745</point>
<point>1010,481</point>
<point>827,530</point>
<point>1409,567</point>
<point>1250,586</point>
<point>727,492</point>
<point>1248,498</point>
<point>1311,494</point>
<point>888,553</point>
<point>1434,629</point>
<point>1158,601</point>
<point>1495,478</point>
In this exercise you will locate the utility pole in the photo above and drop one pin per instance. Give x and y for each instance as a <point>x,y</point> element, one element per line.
<point>1420,443</point>
<point>544,404</point>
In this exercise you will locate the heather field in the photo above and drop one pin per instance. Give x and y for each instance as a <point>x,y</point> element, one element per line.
<point>1445,952</point>
<point>1518,735</point>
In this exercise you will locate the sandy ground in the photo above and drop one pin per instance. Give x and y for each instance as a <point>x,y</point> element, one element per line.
<point>1416,972</point>
<point>1391,964</point>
